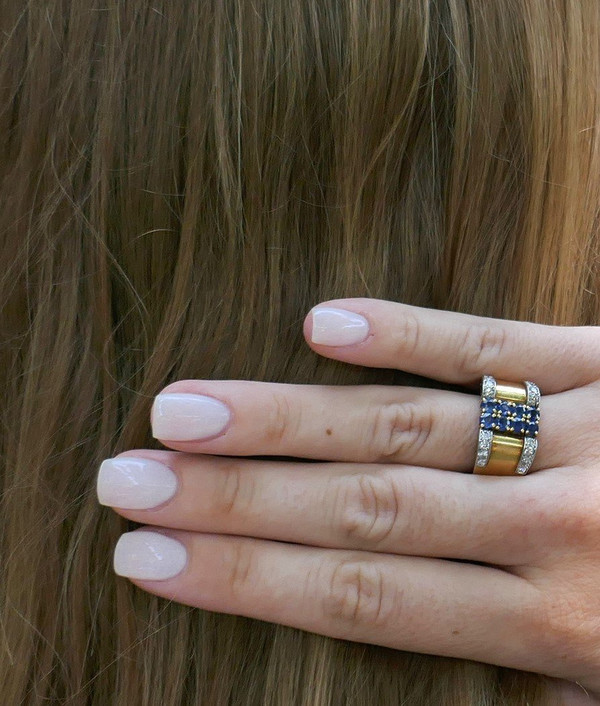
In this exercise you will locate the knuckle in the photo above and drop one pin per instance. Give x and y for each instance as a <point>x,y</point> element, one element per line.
<point>398,431</point>
<point>281,423</point>
<point>572,514</point>
<point>359,593</point>
<point>540,626</point>
<point>368,509</point>
<point>235,490</point>
<point>481,347</point>
<point>562,517</point>
<point>239,561</point>
<point>565,624</point>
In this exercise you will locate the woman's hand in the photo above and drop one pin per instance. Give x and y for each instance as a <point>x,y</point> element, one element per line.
<point>363,545</point>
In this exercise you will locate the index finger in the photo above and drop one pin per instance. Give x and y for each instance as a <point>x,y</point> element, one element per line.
<point>453,347</point>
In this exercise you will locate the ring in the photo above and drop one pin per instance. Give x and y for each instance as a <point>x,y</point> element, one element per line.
<point>508,427</point>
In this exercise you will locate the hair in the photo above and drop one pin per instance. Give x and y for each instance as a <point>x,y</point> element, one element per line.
<point>181,181</point>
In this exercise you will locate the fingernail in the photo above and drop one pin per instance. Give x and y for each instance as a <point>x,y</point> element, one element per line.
<point>148,555</point>
<point>179,416</point>
<point>134,483</point>
<point>337,327</point>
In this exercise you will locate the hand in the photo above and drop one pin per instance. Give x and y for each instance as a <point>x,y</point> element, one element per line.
<point>363,545</point>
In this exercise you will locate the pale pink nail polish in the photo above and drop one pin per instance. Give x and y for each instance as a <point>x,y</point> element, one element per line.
<point>337,327</point>
<point>134,483</point>
<point>148,555</point>
<point>179,416</point>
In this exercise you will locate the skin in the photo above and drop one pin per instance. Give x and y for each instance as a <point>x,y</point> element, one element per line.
<point>362,545</point>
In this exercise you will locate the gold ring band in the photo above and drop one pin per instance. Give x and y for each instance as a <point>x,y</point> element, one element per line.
<point>508,427</point>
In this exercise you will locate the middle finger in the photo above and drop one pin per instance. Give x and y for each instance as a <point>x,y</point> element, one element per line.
<point>392,509</point>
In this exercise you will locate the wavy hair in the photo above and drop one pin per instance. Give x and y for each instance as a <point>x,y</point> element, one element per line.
<point>180,181</point>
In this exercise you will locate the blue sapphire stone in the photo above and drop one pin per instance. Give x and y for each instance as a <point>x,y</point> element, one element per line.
<point>504,408</point>
<point>502,424</point>
<point>519,426</point>
<point>519,419</point>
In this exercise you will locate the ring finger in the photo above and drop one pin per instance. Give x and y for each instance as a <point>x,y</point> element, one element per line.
<point>364,423</point>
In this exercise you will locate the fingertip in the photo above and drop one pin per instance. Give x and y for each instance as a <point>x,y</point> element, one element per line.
<point>335,327</point>
<point>149,554</point>
<point>308,327</point>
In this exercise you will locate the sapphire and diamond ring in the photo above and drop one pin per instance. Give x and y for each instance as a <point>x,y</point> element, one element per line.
<point>508,427</point>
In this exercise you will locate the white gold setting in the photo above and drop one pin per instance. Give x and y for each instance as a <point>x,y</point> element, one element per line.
<point>488,387</point>
<point>484,447</point>
<point>533,394</point>
<point>527,455</point>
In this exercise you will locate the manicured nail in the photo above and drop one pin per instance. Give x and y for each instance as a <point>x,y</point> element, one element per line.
<point>179,416</point>
<point>337,327</point>
<point>148,555</point>
<point>134,483</point>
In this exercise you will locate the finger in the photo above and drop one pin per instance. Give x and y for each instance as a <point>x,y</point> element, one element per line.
<point>368,423</point>
<point>396,509</point>
<point>451,346</point>
<point>424,605</point>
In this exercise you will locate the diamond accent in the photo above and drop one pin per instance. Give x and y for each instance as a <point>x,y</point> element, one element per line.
<point>527,455</point>
<point>488,387</point>
<point>484,447</point>
<point>533,394</point>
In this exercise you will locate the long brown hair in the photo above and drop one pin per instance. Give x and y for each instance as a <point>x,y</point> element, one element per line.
<point>181,180</point>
